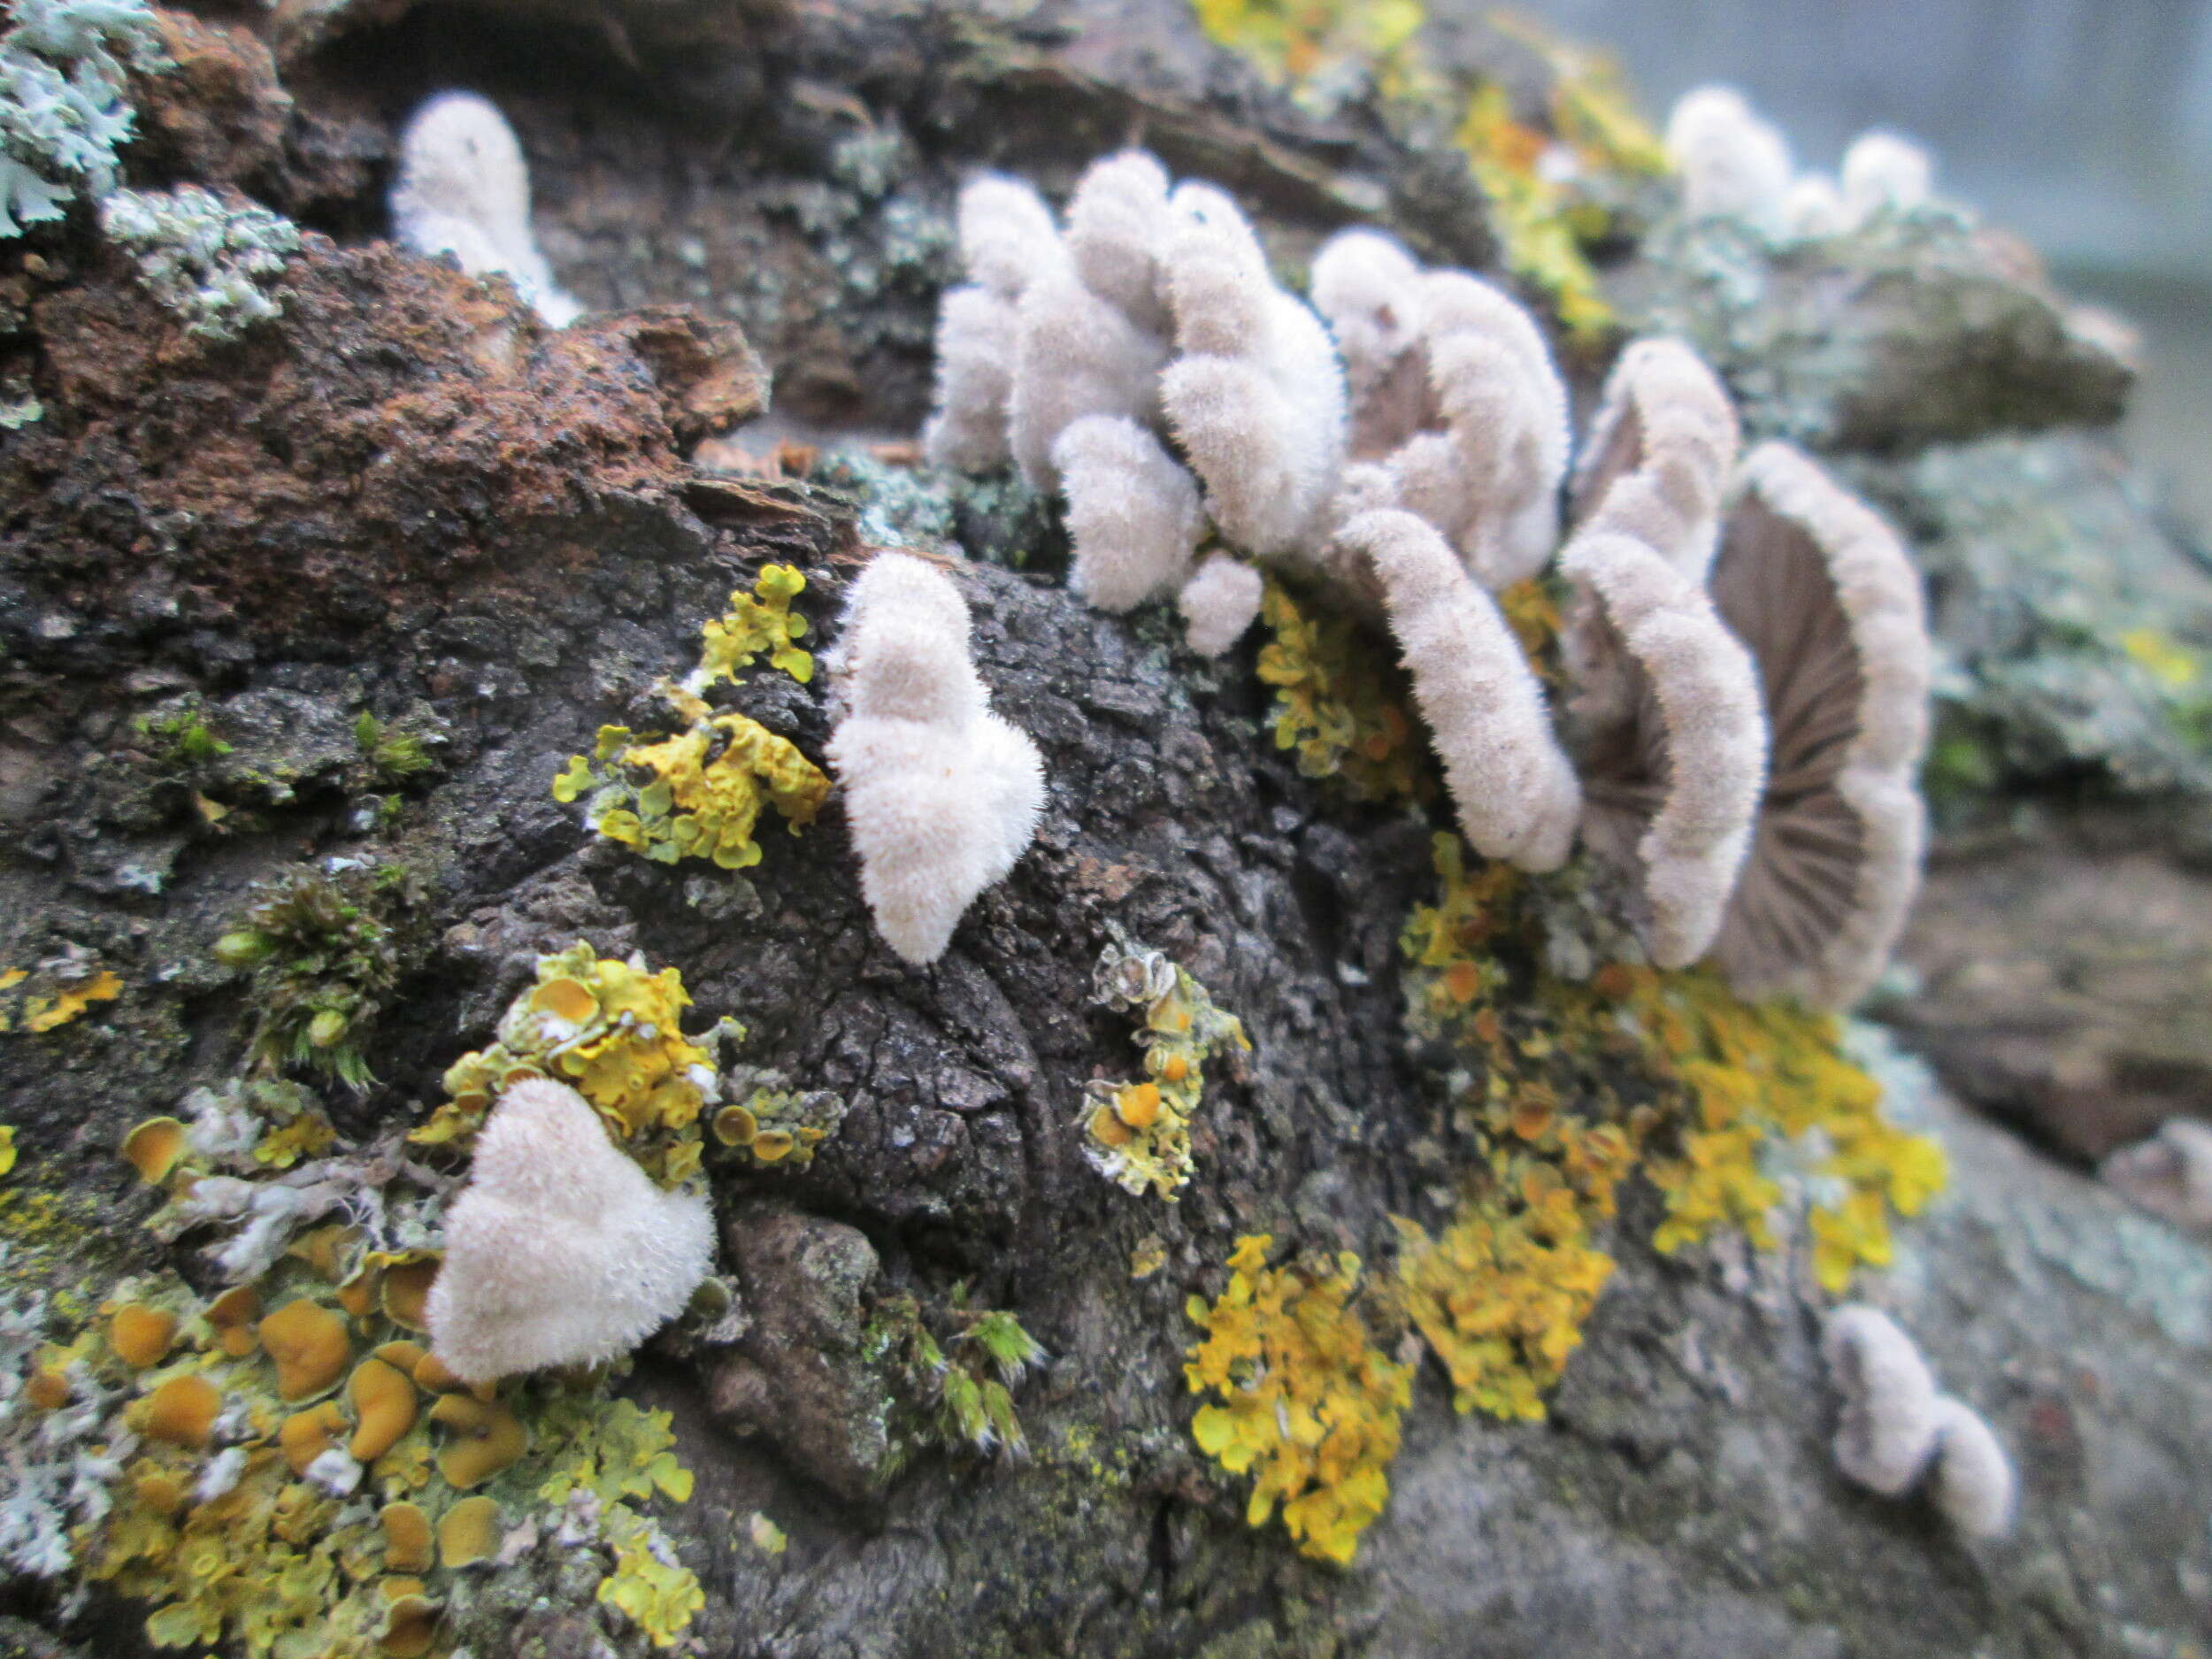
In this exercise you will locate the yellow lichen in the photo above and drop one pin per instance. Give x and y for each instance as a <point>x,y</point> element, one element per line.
<point>1303,1400</point>
<point>59,1007</point>
<point>7,1148</point>
<point>649,1585</point>
<point>1338,700</point>
<point>1718,1087</point>
<point>610,1030</point>
<point>1139,1132</point>
<point>759,621</point>
<point>1502,1297</point>
<point>698,794</point>
<point>1300,42</point>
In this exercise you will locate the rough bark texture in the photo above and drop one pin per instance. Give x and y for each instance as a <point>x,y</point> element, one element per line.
<point>406,497</point>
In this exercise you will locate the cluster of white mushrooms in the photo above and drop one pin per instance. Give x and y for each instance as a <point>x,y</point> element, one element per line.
<point>1749,655</point>
<point>1734,165</point>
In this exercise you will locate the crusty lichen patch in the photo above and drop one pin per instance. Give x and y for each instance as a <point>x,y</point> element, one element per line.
<point>1301,1399</point>
<point>1137,1133</point>
<point>612,1030</point>
<point>699,792</point>
<point>1339,702</point>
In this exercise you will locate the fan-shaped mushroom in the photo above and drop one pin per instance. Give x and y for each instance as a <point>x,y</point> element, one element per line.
<point>1822,595</point>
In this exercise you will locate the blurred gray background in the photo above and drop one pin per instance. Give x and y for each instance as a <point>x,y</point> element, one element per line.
<point>2086,124</point>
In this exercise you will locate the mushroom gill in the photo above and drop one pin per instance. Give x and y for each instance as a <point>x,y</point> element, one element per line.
<point>1822,594</point>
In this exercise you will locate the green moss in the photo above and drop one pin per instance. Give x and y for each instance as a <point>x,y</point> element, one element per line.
<point>953,1385</point>
<point>390,753</point>
<point>324,951</point>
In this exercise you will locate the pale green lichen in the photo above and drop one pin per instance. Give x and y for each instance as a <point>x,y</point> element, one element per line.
<point>210,260</point>
<point>63,112</point>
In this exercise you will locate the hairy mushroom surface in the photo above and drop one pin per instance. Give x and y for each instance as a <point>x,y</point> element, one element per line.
<point>1824,598</point>
<point>1673,741</point>
<point>1659,453</point>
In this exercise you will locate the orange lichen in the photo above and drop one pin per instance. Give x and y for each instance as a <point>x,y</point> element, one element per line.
<point>234,1315</point>
<point>468,1532</point>
<point>485,1437</point>
<point>407,1537</point>
<point>406,1287</point>
<point>1303,1397</point>
<point>180,1412</point>
<point>153,1148</point>
<point>383,1401</point>
<point>403,1355</point>
<point>141,1335</point>
<point>309,1346</point>
<point>410,1624</point>
<point>306,1435</point>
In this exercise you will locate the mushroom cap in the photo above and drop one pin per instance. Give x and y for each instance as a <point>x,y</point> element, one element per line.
<point>1674,741</point>
<point>2169,1174</point>
<point>1974,1485</point>
<point>1117,223</point>
<point>1824,598</point>
<point>1007,236</point>
<point>459,157</point>
<point>1888,1424</point>
<point>1516,794</point>
<point>561,1250</point>
<point>1733,164</point>
<point>1664,417</point>
<point>1368,290</point>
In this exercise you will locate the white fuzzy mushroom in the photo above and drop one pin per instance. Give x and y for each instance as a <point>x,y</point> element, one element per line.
<point>1516,794</point>
<point>1660,454</point>
<point>942,794</point>
<point>1884,173</point>
<point>1973,1484</point>
<point>1455,396</point>
<point>1007,236</point>
<point>1255,395</point>
<point>1368,289</point>
<point>1133,511</point>
<point>1887,1427</point>
<point>1823,597</point>
<point>561,1250</point>
<point>1733,164</point>
<point>1674,742</point>
<point>464,189</point>
<point>1894,1426</point>
<point>1813,207</point>
<point>1220,603</point>
<point>1092,350</point>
